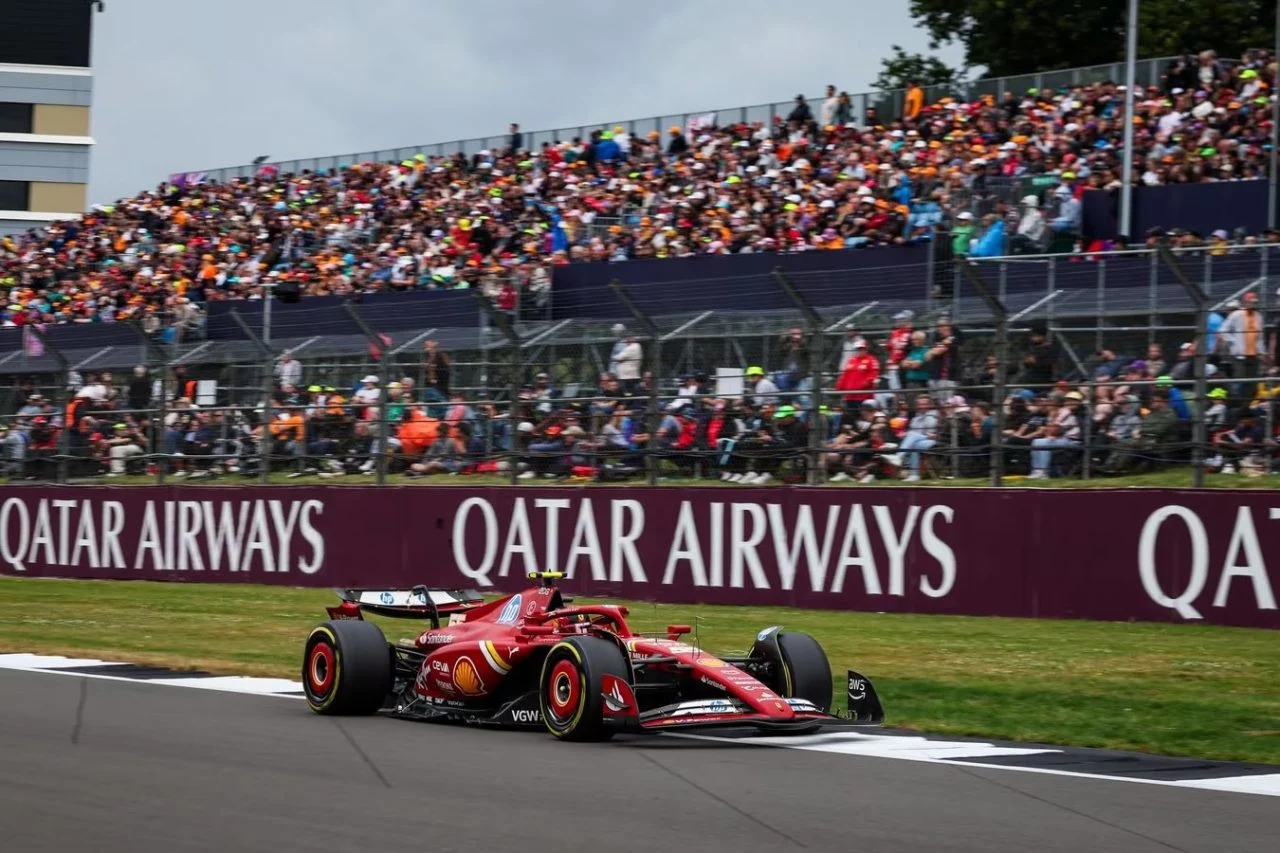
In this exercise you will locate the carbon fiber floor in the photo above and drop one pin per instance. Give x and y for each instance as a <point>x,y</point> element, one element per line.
<point>120,766</point>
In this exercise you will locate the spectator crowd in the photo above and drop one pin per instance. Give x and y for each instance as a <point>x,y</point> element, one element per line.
<point>913,401</point>
<point>818,178</point>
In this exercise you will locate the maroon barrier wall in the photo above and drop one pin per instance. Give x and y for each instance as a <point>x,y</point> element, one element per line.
<point>1122,554</point>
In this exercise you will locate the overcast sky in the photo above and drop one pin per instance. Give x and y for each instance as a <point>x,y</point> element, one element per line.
<point>190,86</point>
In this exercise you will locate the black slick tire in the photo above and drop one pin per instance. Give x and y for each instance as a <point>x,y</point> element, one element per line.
<point>806,672</point>
<point>570,691</point>
<point>347,668</point>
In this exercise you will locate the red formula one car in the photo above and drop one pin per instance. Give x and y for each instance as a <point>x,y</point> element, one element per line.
<point>532,659</point>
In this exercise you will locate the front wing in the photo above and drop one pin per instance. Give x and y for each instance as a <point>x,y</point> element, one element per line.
<point>731,713</point>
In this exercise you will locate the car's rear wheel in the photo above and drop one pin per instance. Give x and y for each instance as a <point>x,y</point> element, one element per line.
<point>347,668</point>
<point>571,687</point>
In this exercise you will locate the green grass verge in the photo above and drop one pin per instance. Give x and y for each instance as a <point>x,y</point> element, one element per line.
<point>1198,691</point>
<point>1171,478</point>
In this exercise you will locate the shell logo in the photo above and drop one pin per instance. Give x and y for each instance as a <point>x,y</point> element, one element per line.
<point>467,678</point>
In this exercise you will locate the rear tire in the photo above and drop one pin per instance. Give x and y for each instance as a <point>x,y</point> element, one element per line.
<point>347,668</point>
<point>570,688</point>
<point>806,670</point>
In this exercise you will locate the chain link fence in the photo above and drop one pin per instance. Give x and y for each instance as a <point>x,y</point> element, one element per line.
<point>1063,368</point>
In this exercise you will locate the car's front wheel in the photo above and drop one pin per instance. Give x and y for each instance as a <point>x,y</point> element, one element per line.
<point>571,687</point>
<point>347,668</point>
<point>801,669</point>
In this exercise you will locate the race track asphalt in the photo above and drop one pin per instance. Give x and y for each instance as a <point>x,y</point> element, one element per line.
<point>117,766</point>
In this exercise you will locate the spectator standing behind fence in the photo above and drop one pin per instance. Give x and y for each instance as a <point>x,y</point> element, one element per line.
<point>1241,338</point>
<point>851,339</point>
<point>437,370</point>
<point>1029,238</point>
<point>1040,364</point>
<point>288,369</point>
<point>629,360</point>
<point>619,344</point>
<point>795,360</point>
<point>858,379</point>
<point>913,101</point>
<point>944,359</point>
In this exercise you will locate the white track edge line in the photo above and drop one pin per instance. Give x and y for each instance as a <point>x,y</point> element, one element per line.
<point>156,681</point>
<point>1201,784</point>
<point>1214,785</point>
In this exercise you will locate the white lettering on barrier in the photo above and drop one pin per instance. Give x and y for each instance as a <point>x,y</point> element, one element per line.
<point>15,557</point>
<point>552,528</point>
<point>706,537</point>
<point>744,544</point>
<point>480,573</point>
<point>855,532</point>
<point>802,538</point>
<point>313,537</point>
<point>183,535</point>
<point>1244,540</point>
<point>585,543</point>
<point>624,536</point>
<point>939,550</point>
<point>685,548</point>
<point>519,541</point>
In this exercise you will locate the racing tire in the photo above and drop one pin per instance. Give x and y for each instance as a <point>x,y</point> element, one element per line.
<point>347,668</point>
<point>806,672</point>
<point>570,687</point>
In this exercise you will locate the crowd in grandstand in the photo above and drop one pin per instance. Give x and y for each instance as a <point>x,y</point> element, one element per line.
<point>904,403</point>
<point>818,178</point>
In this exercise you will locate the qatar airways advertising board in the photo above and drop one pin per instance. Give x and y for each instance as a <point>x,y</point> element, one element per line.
<point>1150,555</point>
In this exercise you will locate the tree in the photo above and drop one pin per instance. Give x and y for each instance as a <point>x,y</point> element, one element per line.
<point>1024,36</point>
<point>902,68</point>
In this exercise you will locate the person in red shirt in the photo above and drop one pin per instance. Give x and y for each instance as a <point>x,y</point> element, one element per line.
<point>897,346</point>
<point>858,378</point>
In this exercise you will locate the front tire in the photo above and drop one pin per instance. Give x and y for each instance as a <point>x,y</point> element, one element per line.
<point>800,666</point>
<point>347,668</point>
<point>570,688</point>
<point>806,669</point>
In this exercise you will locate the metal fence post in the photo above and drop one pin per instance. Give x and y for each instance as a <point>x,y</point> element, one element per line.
<point>268,356</point>
<point>816,364</point>
<point>384,428</point>
<point>1001,314</point>
<point>1201,300</point>
<point>654,360</point>
<point>64,401</point>
<point>502,323</point>
<point>154,351</point>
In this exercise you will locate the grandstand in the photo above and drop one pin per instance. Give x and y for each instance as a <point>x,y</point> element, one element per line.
<point>509,256</point>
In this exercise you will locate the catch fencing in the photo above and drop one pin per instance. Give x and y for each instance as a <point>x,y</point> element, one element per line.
<point>198,409</point>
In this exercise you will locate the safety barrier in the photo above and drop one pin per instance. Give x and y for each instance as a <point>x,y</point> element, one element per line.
<point>1150,555</point>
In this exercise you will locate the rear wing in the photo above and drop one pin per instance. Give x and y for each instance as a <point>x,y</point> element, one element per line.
<point>419,602</point>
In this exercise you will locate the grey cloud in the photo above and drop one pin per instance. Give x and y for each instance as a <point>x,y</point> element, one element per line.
<point>194,86</point>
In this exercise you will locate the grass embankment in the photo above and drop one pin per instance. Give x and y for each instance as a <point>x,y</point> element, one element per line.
<point>1171,478</point>
<point>1176,689</point>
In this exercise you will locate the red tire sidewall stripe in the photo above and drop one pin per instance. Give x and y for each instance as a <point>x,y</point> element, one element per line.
<point>564,670</point>
<point>325,651</point>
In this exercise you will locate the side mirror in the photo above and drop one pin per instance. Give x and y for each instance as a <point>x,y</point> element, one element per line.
<point>674,631</point>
